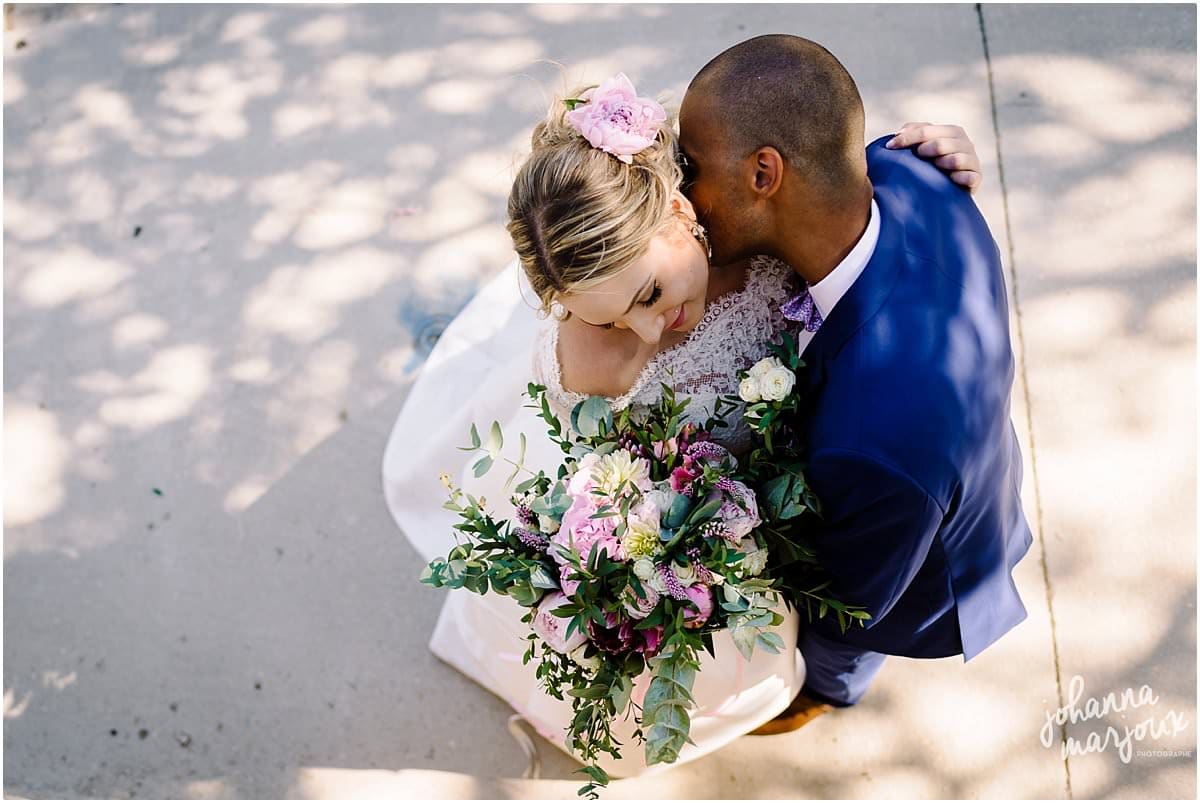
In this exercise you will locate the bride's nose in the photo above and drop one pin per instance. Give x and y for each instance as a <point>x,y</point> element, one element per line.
<point>648,326</point>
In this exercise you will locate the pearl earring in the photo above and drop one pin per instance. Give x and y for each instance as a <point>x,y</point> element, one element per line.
<point>701,236</point>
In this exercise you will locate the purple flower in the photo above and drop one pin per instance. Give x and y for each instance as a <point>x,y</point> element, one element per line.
<point>702,572</point>
<point>532,540</point>
<point>674,588</point>
<point>708,450</point>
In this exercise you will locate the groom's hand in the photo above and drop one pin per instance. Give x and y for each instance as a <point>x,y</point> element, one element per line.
<point>948,146</point>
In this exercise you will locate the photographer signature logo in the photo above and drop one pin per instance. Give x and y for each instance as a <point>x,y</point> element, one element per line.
<point>1169,724</point>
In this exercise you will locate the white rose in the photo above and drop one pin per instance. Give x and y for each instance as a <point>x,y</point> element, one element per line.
<point>717,580</point>
<point>748,390</point>
<point>686,574</point>
<point>754,559</point>
<point>590,664</point>
<point>764,367</point>
<point>660,499</point>
<point>644,569</point>
<point>777,384</point>
<point>547,524</point>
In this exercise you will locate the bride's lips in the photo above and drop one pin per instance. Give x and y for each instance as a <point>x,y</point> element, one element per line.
<point>682,315</point>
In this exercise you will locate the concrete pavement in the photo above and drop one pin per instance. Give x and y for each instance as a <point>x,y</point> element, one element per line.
<point>232,234</point>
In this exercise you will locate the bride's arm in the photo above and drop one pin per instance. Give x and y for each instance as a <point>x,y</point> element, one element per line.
<point>948,146</point>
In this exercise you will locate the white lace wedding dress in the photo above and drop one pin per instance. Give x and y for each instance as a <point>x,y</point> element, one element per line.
<point>476,374</point>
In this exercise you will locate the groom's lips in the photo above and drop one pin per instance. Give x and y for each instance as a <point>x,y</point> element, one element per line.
<point>682,315</point>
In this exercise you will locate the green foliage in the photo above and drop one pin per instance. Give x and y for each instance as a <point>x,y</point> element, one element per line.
<point>506,557</point>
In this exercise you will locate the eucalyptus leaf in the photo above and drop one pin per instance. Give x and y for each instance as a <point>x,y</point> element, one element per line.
<point>495,440</point>
<point>540,578</point>
<point>590,415</point>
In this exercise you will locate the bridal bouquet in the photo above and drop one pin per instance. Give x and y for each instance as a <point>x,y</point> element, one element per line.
<point>646,542</point>
<point>776,469</point>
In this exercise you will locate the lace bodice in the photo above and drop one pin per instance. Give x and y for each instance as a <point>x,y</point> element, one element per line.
<point>731,336</point>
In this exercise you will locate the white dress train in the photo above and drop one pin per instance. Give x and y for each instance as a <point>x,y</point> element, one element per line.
<point>477,374</point>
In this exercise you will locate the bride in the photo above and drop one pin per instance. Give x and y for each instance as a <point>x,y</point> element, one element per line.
<point>612,257</point>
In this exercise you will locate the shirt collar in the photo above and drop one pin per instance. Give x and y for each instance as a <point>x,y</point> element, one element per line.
<point>827,292</point>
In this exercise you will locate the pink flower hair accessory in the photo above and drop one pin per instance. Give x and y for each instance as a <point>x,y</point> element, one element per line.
<point>614,119</point>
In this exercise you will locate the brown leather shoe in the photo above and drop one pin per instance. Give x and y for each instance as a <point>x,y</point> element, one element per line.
<point>799,713</point>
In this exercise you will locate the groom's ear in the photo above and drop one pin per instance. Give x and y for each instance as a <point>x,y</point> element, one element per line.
<point>767,164</point>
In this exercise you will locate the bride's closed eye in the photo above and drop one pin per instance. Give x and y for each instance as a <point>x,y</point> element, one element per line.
<point>655,295</point>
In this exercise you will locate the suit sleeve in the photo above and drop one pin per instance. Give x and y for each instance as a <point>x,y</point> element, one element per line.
<point>876,529</point>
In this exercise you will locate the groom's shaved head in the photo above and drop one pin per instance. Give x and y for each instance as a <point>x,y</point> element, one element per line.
<point>793,95</point>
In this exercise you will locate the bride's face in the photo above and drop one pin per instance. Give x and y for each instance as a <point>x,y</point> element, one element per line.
<point>660,292</point>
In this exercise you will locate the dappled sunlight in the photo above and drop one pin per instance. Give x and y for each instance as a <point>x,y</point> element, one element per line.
<point>209,187</point>
<point>1065,144</point>
<point>491,57</point>
<point>167,389</point>
<point>288,196</point>
<point>157,52</point>
<point>456,96</point>
<point>458,261</point>
<point>103,108</point>
<point>36,455</point>
<point>213,98</point>
<point>640,62</point>
<point>481,20</point>
<point>304,303</point>
<point>93,197</point>
<point>58,680</point>
<point>254,371</point>
<point>348,213</point>
<point>1083,92</point>
<point>324,31</point>
<point>449,208</point>
<point>406,69</point>
<point>309,399</point>
<point>138,331</point>
<point>248,491</point>
<point>1139,617</point>
<point>245,25</point>
<point>13,709</point>
<point>1115,228</point>
<point>215,789</point>
<point>322,783</point>
<point>14,88</point>
<point>27,219</point>
<point>233,235</point>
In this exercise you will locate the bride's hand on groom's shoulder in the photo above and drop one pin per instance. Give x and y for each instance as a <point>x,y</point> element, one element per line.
<point>948,146</point>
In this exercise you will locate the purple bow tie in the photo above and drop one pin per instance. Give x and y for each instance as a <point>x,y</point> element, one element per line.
<point>802,308</point>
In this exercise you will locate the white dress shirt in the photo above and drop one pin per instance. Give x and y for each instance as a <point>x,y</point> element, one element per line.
<point>827,292</point>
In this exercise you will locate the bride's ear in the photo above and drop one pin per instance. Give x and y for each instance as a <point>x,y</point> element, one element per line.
<point>680,205</point>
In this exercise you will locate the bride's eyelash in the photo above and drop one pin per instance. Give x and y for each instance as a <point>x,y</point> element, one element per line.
<point>655,295</point>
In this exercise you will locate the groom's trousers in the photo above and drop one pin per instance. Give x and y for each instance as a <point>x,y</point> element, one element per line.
<point>838,674</point>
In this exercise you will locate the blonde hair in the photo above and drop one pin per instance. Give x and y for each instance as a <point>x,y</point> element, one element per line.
<point>578,215</point>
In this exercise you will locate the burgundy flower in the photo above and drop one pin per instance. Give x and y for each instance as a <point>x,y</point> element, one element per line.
<point>620,636</point>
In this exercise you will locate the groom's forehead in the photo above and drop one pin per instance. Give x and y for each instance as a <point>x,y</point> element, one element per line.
<point>699,129</point>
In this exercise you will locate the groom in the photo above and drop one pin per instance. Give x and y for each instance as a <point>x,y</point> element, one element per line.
<point>909,443</point>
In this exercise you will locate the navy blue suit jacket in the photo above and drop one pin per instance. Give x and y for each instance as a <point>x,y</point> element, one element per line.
<point>911,448</point>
